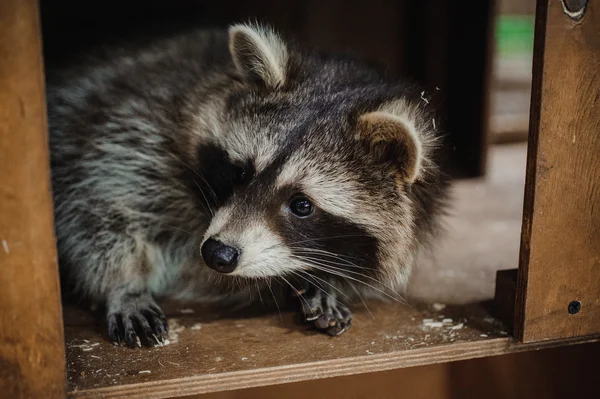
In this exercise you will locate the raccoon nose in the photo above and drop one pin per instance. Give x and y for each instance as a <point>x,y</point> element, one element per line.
<point>219,257</point>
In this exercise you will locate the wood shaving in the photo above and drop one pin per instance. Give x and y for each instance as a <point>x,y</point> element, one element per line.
<point>86,346</point>
<point>438,307</point>
<point>174,330</point>
<point>429,323</point>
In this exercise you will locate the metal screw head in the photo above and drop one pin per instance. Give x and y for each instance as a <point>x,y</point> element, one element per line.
<point>574,307</point>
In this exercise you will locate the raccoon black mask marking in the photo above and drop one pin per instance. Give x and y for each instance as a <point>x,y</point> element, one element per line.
<point>211,157</point>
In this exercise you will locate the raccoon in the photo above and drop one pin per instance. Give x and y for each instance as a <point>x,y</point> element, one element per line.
<point>212,162</point>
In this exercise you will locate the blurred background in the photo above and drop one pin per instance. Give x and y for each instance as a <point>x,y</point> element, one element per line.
<point>511,83</point>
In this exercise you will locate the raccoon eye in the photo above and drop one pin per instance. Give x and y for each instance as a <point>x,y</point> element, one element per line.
<point>239,174</point>
<point>301,206</point>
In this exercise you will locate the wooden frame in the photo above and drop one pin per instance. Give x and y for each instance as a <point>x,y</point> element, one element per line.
<point>557,291</point>
<point>559,275</point>
<point>32,352</point>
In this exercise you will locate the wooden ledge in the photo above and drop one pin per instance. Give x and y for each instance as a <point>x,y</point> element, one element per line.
<point>225,354</point>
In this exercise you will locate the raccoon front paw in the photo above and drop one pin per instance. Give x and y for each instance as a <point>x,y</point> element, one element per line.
<point>135,320</point>
<point>326,312</point>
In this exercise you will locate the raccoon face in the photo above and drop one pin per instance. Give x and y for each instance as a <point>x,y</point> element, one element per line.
<point>326,169</point>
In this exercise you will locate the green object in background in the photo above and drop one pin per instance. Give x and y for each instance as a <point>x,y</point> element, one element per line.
<point>514,34</point>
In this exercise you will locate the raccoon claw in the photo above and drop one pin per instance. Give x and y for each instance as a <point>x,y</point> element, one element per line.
<point>135,326</point>
<point>327,314</point>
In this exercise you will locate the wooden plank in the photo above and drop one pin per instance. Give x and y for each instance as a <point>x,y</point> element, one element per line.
<point>212,353</point>
<point>549,373</point>
<point>560,248</point>
<point>32,352</point>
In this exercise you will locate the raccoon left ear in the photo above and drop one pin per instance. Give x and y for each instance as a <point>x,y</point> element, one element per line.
<point>392,137</point>
<point>259,54</point>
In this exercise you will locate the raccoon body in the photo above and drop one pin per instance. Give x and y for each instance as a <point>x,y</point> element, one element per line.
<point>186,166</point>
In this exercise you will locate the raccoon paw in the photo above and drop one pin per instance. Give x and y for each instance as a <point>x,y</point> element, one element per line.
<point>135,321</point>
<point>325,311</point>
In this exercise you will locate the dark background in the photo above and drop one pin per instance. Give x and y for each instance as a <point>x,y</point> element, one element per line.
<point>440,44</point>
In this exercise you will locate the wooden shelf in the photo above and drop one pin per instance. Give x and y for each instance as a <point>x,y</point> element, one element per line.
<point>209,353</point>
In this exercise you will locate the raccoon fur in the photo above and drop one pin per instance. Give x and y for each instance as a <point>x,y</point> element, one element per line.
<point>210,163</point>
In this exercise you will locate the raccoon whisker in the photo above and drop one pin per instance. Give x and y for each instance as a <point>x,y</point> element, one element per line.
<point>194,194</point>
<point>377,282</point>
<point>212,192</point>
<point>341,267</point>
<point>299,274</point>
<point>312,240</point>
<point>249,287</point>
<point>178,229</point>
<point>331,255</point>
<point>275,299</point>
<point>323,290</point>
<point>258,290</point>
<point>322,251</point>
<point>204,196</point>
<point>328,283</point>
<point>320,286</point>
<point>399,300</point>
<point>327,238</point>
<point>361,299</point>
<point>327,269</point>
<point>297,292</point>
<point>194,171</point>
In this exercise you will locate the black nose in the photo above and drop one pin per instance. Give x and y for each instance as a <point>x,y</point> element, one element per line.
<point>219,257</point>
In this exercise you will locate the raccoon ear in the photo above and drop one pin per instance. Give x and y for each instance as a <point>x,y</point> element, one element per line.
<point>259,54</point>
<point>391,135</point>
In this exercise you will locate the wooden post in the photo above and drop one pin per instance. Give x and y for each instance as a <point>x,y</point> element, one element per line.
<point>32,355</point>
<point>559,276</point>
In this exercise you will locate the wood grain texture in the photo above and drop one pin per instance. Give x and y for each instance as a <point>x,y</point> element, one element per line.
<point>32,356</point>
<point>555,373</point>
<point>210,352</point>
<point>560,250</point>
<point>222,354</point>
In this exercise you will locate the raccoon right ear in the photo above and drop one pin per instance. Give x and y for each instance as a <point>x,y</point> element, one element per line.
<point>391,135</point>
<point>259,54</point>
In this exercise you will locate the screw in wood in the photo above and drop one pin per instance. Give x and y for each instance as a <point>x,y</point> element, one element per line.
<point>574,307</point>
